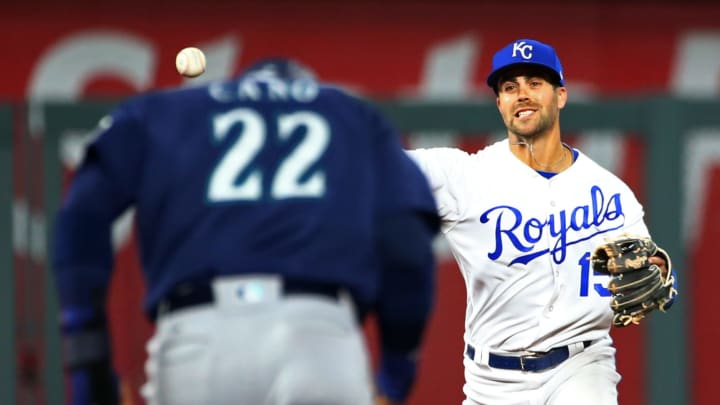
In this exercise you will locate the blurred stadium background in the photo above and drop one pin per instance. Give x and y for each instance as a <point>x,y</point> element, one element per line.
<point>644,86</point>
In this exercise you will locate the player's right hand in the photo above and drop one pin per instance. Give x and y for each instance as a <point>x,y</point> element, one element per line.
<point>383,400</point>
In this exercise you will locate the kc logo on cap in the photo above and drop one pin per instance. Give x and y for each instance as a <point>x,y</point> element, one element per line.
<point>526,52</point>
<point>523,48</point>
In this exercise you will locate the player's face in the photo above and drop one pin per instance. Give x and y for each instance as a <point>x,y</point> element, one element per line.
<point>529,104</point>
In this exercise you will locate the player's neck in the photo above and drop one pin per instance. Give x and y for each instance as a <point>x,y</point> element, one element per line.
<point>544,153</point>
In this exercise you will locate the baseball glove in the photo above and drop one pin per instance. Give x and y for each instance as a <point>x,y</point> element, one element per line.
<point>637,286</point>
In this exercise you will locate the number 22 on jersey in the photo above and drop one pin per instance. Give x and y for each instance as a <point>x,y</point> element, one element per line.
<point>286,181</point>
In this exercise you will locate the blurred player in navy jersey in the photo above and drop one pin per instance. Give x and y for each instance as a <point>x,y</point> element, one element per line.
<point>274,213</point>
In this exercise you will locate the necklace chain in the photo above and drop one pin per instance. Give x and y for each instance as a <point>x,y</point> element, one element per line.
<point>542,166</point>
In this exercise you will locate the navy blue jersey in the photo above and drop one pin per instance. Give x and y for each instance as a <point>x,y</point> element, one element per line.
<point>252,175</point>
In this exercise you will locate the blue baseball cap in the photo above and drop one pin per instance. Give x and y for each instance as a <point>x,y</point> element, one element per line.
<point>525,51</point>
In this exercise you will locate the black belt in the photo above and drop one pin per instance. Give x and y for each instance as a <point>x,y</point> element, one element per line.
<point>189,294</point>
<point>533,362</point>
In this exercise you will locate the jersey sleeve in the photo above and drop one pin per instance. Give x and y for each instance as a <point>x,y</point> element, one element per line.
<point>400,184</point>
<point>442,166</point>
<point>634,215</point>
<point>101,190</point>
<point>119,149</point>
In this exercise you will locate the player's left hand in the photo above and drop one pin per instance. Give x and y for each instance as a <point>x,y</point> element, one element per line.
<point>641,278</point>
<point>660,262</point>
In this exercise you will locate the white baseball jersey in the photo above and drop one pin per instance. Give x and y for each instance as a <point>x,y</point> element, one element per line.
<point>523,244</point>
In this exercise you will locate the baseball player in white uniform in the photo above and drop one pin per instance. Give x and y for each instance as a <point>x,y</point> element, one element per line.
<point>522,217</point>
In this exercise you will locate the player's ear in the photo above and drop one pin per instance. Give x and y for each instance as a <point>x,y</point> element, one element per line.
<point>561,94</point>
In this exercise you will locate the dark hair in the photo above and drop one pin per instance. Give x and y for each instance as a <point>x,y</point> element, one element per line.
<point>285,68</point>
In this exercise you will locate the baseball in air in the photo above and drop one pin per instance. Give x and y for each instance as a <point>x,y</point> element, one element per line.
<point>190,62</point>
